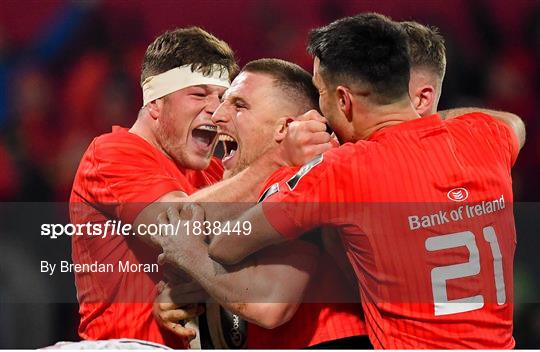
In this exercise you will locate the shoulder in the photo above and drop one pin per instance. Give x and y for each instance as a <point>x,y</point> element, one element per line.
<point>477,121</point>
<point>124,153</point>
<point>328,168</point>
<point>485,125</point>
<point>121,144</point>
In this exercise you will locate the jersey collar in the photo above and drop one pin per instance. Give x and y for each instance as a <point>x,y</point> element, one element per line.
<point>421,123</point>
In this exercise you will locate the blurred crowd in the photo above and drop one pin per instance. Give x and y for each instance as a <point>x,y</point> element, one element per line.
<point>70,70</point>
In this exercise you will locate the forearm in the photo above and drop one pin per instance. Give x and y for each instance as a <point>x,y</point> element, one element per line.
<point>149,215</point>
<point>263,292</point>
<point>225,285</point>
<point>231,250</point>
<point>456,112</point>
<point>513,121</point>
<point>239,192</point>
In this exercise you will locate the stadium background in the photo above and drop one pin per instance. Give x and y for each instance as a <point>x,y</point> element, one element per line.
<point>69,70</point>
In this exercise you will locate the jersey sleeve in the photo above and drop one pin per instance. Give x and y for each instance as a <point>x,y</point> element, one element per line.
<point>278,176</point>
<point>131,174</point>
<point>506,139</point>
<point>292,204</point>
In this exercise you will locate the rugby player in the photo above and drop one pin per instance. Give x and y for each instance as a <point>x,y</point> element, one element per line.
<point>267,289</point>
<point>427,53</point>
<point>127,175</point>
<point>361,68</point>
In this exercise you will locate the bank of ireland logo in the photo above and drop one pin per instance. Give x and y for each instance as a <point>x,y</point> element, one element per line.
<point>459,194</point>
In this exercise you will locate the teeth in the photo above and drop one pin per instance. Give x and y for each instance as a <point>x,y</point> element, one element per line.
<point>225,138</point>
<point>208,128</point>
<point>232,152</point>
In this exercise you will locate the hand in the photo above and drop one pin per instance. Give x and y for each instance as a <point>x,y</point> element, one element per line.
<point>172,315</point>
<point>180,247</point>
<point>306,137</point>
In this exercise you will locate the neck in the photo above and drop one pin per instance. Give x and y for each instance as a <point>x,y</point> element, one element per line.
<point>378,117</point>
<point>143,128</point>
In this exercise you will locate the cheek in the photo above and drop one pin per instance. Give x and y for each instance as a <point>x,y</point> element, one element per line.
<point>189,112</point>
<point>323,104</point>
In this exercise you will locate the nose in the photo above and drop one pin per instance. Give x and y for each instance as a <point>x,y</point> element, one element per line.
<point>222,114</point>
<point>212,103</point>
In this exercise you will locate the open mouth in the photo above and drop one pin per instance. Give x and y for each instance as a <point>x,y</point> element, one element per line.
<point>205,135</point>
<point>230,145</point>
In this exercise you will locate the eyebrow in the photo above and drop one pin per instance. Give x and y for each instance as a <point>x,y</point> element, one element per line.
<point>236,99</point>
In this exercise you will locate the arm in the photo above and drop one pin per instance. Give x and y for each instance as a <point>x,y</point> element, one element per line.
<point>243,186</point>
<point>513,121</point>
<point>239,189</point>
<point>231,250</point>
<point>305,138</point>
<point>289,210</point>
<point>265,289</point>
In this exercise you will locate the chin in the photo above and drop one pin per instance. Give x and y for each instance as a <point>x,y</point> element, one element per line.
<point>201,164</point>
<point>194,163</point>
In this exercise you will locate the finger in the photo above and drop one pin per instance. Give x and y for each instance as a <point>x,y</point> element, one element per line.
<point>180,314</point>
<point>180,331</point>
<point>162,259</point>
<point>173,215</point>
<point>315,126</point>
<point>162,218</point>
<point>318,149</point>
<point>160,285</point>
<point>197,212</point>
<point>168,306</point>
<point>311,126</point>
<point>319,138</point>
<point>165,303</point>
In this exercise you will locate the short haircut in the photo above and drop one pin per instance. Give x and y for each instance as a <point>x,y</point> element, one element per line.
<point>187,46</point>
<point>426,47</point>
<point>296,83</point>
<point>366,49</point>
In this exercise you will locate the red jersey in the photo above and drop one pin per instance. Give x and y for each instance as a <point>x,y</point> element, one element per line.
<point>119,174</point>
<point>424,209</point>
<point>313,323</point>
<point>331,313</point>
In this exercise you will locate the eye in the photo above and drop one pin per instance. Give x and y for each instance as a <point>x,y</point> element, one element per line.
<point>239,106</point>
<point>200,95</point>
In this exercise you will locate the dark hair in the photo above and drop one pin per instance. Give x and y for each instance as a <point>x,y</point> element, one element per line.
<point>183,46</point>
<point>368,49</point>
<point>426,47</point>
<point>296,82</point>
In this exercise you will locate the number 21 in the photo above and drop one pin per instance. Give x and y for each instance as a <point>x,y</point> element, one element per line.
<point>439,275</point>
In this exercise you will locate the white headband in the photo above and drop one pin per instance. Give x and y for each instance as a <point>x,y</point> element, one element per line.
<point>158,86</point>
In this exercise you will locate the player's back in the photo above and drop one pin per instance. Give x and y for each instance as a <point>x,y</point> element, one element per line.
<point>425,211</point>
<point>429,229</point>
